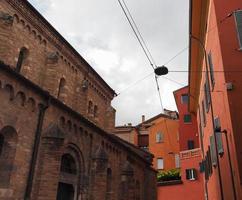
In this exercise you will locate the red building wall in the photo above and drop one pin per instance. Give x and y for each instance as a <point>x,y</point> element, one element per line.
<point>221,40</point>
<point>187,131</point>
<point>188,190</point>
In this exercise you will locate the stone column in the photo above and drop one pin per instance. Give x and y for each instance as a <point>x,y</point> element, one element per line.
<point>99,175</point>
<point>48,168</point>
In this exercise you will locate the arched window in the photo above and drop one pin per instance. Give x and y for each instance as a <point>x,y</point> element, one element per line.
<point>95,112</point>
<point>8,143</point>
<point>109,184</point>
<point>69,177</point>
<point>68,164</point>
<point>22,56</point>
<point>61,89</point>
<point>90,105</point>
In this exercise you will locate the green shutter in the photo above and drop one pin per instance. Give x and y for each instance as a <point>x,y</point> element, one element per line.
<point>238,20</point>
<point>213,151</point>
<point>219,143</point>
<point>210,62</point>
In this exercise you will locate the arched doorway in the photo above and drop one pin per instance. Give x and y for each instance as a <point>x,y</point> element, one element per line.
<point>67,187</point>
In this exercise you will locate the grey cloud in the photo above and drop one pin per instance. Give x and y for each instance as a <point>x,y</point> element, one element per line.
<point>99,29</point>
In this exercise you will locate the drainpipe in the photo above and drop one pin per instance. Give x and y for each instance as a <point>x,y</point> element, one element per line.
<point>42,110</point>
<point>211,105</point>
<point>230,164</point>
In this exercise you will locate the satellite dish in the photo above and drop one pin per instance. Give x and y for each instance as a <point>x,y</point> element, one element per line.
<point>160,71</point>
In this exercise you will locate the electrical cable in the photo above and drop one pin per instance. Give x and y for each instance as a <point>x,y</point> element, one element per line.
<point>135,83</point>
<point>136,35</point>
<point>137,29</point>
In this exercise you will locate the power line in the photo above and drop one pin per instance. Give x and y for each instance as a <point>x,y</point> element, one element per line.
<point>135,83</point>
<point>158,89</point>
<point>179,53</point>
<point>141,42</point>
<point>137,29</point>
<point>137,35</point>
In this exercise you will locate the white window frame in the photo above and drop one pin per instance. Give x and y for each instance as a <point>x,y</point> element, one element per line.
<point>159,137</point>
<point>160,165</point>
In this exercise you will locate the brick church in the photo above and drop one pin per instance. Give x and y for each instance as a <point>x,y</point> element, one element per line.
<point>55,120</point>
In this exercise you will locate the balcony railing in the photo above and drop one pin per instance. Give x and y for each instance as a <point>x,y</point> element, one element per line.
<point>190,153</point>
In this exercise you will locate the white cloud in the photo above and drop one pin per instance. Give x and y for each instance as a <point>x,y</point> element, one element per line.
<point>100,32</point>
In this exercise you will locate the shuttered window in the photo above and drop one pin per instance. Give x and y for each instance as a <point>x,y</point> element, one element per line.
<point>210,62</point>
<point>207,94</point>
<point>213,151</point>
<point>219,143</point>
<point>203,114</point>
<point>187,118</point>
<point>238,20</point>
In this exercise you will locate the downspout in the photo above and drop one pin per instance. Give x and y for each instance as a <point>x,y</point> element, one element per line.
<point>41,115</point>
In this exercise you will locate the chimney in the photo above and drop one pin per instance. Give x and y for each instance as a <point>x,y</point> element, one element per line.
<point>143,118</point>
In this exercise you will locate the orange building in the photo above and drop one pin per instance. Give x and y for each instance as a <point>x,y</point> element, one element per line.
<point>215,88</point>
<point>159,135</point>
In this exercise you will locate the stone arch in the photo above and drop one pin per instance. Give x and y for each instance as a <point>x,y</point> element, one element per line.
<point>20,98</point>
<point>71,174</point>
<point>8,144</point>
<point>16,18</point>
<point>9,90</point>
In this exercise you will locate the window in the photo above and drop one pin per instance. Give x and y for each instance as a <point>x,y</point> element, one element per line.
<point>210,62</point>
<point>1,143</point>
<point>160,163</point>
<point>22,56</point>
<point>187,118</point>
<point>204,114</point>
<point>109,184</point>
<point>190,144</point>
<point>8,144</point>
<point>95,112</point>
<point>208,164</point>
<point>90,105</point>
<point>191,174</point>
<point>238,20</point>
<point>184,98</point>
<point>219,138</point>
<point>61,89</point>
<point>159,137</point>
<point>207,94</point>
<point>68,164</point>
<point>177,160</point>
<point>213,151</point>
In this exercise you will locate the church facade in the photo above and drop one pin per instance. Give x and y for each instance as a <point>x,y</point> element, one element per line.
<point>56,118</point>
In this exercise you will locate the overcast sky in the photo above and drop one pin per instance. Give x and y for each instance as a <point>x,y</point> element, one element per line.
<point>100,32</point>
